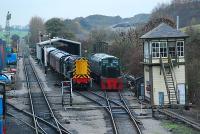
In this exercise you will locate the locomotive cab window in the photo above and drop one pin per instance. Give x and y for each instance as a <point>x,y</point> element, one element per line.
<point>115,62</point>
<point>111,68</point>
<point>105,62</point>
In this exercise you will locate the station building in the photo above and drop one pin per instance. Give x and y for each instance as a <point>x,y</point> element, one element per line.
<point>164,66</point>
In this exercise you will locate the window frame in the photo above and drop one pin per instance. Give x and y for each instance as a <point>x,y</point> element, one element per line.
<point>154,53</point>
<point>179,52</point>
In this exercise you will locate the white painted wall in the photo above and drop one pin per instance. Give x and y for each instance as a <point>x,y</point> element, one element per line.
<point>146,78</point>
<point>158,85</point>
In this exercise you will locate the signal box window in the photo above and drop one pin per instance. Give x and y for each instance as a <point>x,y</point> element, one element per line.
<point>172,49</point>
<point>159,49</point>
<point>163,49</point>
<point>155,49</point>
<point>180,48</point>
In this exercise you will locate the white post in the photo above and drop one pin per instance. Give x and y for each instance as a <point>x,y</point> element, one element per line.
<point>62,93</point>
<point>45,61</point>
<point>177,22</point>
<point>71,97</point>
<point>71,89</point>
<point>91,83</point>
<point>62,87</point>
<point>45,57</point>
<point>141,109</point>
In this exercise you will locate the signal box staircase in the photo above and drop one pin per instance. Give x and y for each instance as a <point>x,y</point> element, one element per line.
<point>170,82</point>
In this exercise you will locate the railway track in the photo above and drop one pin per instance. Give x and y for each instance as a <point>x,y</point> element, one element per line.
<point>25,117</point>
<point>121,117</point>
<point>180,118</point>
<point>39,103</point>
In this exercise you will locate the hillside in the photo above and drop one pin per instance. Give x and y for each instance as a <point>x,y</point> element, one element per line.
<point>82,25</point>
<point>197,27</point>
<point>20,33</point>
<point>188,11</point>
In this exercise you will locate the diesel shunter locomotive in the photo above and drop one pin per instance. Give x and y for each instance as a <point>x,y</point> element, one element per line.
<point>106,71</point>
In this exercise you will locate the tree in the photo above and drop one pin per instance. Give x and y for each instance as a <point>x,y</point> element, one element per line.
<point>1,29</point>
<point>57,28</point>
<point>192,48</point>
<point>15,37</point>
<point>36,25</point>
<point>128,47</point>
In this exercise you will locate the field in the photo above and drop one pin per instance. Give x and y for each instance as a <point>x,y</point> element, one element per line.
<point>193,26</point>
<point>19,33</point>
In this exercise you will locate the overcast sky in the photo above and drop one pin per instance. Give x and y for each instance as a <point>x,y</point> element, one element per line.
<point>23,10</point>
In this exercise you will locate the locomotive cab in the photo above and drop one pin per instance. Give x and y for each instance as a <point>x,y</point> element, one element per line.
<point>110,68</point>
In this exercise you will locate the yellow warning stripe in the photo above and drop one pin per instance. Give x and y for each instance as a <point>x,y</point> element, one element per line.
<point>75,75</point>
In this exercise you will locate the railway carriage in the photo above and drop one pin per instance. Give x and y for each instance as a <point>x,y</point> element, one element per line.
<point>70,66</point>
<point>58,58</point>
<point>48,51</point>
<point>106,71</point>
<point>52,59</point>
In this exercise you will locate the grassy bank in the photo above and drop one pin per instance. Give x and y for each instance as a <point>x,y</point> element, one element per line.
<point>178,128</point>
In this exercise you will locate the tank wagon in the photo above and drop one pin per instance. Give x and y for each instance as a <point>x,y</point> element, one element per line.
<point>70,66</point>
<point>105,70</point>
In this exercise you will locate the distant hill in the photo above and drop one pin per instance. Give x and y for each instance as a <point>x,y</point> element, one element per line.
<point>82,25</point>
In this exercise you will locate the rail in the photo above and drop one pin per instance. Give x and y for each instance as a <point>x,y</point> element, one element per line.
<point>44,95</point>
<point>30,96</point>
<point>109,109</point>
<point>180,117</point>
<point>130,113</point>
<point>111,113</point>
<point>58,125</point>
<point>106,108</point>
<point>26,123</point>
<point>31,115</point>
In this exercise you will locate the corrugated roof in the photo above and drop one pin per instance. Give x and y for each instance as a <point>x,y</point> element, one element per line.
<point>163,31</point>
<point>57,40</point>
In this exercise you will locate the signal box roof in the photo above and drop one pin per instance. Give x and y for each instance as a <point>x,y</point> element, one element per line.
<point>163,31</point>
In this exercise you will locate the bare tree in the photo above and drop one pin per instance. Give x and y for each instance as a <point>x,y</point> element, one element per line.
<point>36,25</point>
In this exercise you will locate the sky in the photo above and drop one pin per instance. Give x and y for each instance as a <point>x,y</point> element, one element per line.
<point>23,10</point>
